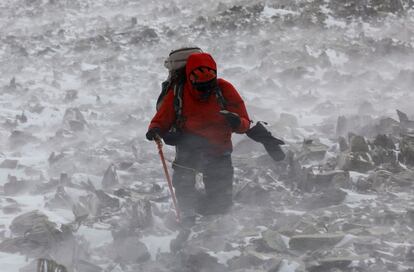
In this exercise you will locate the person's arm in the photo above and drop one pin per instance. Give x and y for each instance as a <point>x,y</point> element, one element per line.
<point>236,105</point>
<point>165,116</point>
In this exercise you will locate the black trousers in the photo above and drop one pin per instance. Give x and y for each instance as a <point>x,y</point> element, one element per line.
<point>217,178</point>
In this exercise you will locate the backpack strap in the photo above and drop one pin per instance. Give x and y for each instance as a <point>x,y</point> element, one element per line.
<point>220,98</point>
<point>178,103</point>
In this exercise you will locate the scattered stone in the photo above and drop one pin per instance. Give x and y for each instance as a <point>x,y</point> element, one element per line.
<point>110,177</point>
<point>61,199</point>
<point>272,241</point>
<point>9,164</point>
<point>107,201</point>
<point>54,158</point>
<point>314,241</point>
<point>74,120</point>
<point>312,150</point>
<point>334,178</point>
<point>71,95</point>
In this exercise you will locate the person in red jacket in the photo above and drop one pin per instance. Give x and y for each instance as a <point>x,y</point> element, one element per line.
<point>205,142</point>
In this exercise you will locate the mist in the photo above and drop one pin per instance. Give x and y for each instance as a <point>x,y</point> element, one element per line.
<point>81,187</point>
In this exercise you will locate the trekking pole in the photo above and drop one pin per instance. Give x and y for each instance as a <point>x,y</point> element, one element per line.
<point>167,175</point>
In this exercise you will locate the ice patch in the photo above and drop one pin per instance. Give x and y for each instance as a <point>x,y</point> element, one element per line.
<point>224,256</point>
<point>12,262</point>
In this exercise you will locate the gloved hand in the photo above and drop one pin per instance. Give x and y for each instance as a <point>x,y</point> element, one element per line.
<point>153,134</point>
<point>232,118</point>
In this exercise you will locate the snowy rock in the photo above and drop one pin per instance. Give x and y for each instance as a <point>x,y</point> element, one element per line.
<point>312,150</point>
<point>110,177</point>
<point>358,144</point>
<point>315,241</point>
<point>74,120</point>
<point>272,241</point>
<point>334,178</point>
<point>61,199</point>
<point>356,161</point>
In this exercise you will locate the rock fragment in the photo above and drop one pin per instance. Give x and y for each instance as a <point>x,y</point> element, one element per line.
<point>315,241</point>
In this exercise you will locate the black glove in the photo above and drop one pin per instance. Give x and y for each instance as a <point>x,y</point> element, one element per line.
<point>153,133</point>
<point>232,118</point>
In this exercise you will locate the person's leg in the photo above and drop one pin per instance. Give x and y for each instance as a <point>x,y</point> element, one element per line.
<point>183,180</point>
<point>218,182</point>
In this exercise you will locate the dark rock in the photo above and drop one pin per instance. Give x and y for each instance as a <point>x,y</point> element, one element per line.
<point>407,149</point>
<point>107,201</point>
<point>23,223</point>
<point>130,250</point>
<point>110,177</point>
<point>271,241</point>
<point>314,241</point>
<point>74,119</point>
<point>10,164</point>
<point>14,186</point>
<point>244,261</point>
<point>358,144</point>
<point>356,161</point>
<point>54,158</point>
<point>195,259</point>
<point>343,145</point>
<point>312,150</point>
<point>71,95</point>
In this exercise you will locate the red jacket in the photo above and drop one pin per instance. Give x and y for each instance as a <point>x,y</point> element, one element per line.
<point>202,117</point>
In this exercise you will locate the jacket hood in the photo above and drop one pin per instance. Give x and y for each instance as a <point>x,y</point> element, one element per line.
<point>197,60</point>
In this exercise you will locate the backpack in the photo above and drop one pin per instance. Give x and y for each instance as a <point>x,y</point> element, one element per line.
<point>177,60</point>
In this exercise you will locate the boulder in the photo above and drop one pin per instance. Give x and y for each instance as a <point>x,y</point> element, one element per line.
<point>315,241</point>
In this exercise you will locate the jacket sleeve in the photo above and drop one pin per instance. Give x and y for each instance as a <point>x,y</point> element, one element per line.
<point>165,116</point>
<point>235,104</point>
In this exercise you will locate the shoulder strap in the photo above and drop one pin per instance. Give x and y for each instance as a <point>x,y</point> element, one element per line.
<point>178,103</point>
<point>220,98</point>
